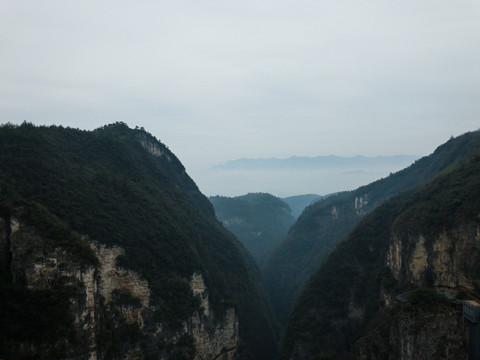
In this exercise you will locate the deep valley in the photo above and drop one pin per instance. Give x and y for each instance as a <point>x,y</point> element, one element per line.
<point>110,251</point>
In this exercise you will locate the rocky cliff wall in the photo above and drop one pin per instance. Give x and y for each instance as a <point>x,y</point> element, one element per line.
<point>111,306</point>
<point>153,146</point>
<point>213,340</point>
<point>448,263</point>
<point>448,259</point>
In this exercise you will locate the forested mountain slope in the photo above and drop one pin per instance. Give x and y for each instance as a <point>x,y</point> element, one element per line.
<point>424,239</point>
<point>258,220</point>
<point>298,203</point>
<point>109,250</point>
<point>328,221</point>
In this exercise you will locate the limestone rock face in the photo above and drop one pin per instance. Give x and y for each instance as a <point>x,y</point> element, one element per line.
<point>223,343</point>
<point>360,204</point>
<point>110,298</point>
<point>152,146</point>
<point>447,261</point>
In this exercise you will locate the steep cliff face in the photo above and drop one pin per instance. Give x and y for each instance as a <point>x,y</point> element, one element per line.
<point>109,298</point>
<point>448,260</point>
<point>214,340</point>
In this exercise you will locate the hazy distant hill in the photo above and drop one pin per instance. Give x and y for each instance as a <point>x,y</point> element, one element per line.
<point>298,203</point>
<point>318,162</point>
<point>260,221</point>
<point>325,223</point>
<point>424,239</point>
<point>299,175</point>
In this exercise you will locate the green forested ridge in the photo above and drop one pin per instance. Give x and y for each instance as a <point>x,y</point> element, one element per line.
<point>323,224</point>
<point>104,184</point>
<point>355,271</point>
<point>258,220</point>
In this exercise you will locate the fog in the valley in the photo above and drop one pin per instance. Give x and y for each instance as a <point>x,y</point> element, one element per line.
<point>295,176</point>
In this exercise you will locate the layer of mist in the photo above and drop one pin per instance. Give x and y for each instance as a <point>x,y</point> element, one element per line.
<point>297,175</point>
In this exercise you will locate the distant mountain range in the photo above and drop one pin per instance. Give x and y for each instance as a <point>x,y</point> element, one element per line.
<point>317,162</point>
<point>298,174</point>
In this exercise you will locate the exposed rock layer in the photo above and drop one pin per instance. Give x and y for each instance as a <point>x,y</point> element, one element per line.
<point>446,260</point>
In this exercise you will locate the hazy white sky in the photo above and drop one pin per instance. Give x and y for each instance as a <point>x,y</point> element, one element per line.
<point>220,80</point>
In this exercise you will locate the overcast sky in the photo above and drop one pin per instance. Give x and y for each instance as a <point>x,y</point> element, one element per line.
<point>221,80</point>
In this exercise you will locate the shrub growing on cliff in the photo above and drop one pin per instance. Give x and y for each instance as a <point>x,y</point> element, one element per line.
<point>424,299</point>
<point>38,317</point>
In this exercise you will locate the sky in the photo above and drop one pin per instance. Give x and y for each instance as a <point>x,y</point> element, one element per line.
<point>223,80</point>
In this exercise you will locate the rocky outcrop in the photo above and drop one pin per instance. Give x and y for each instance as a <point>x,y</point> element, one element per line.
<point>152,145</point>
<point>448,263</point>
<point>361,203</point>
<point>446,260</point>
<point>213,340</point>
<point>109,299</point>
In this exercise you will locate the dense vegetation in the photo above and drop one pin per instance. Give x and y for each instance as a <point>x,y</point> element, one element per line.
<point>355,271</point>
<point>324,224</point>
<point>38,317</point>
<point>259,220</point>
<point>106,185</point>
